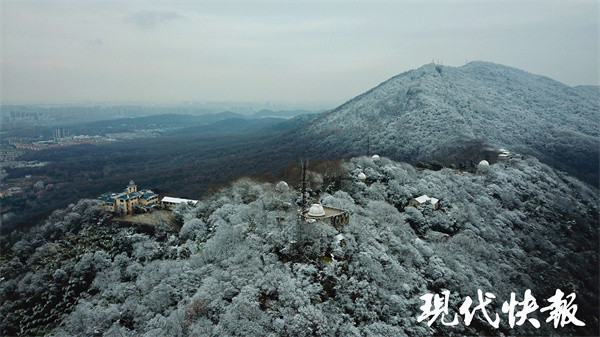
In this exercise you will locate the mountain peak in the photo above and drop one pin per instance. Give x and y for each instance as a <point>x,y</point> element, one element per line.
<point>432,111</point>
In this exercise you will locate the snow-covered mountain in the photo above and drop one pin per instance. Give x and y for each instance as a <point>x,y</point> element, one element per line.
<point>236,269</point>
<point>434,111</point>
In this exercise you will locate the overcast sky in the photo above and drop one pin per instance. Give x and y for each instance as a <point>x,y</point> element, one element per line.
<point>307,53</point>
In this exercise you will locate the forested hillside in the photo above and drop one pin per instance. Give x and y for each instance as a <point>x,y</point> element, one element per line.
<point>243,265</point>
<point>433,111</point>
<point>440,116</point>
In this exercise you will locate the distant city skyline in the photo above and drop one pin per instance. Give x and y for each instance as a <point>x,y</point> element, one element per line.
<point>296,54</point>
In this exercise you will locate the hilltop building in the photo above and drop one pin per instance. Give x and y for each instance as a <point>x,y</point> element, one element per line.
<point>504,154</point>
<point>127,200</point>
<point>335,216</point>
<point>423,200</point>
<point>171,202</point>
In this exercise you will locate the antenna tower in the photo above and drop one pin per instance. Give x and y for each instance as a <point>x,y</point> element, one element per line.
<point>304,164</point>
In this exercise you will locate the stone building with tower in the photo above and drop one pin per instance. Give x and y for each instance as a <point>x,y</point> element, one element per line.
<point>126,201</point>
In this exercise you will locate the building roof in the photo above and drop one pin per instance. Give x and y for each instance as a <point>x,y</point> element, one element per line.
<point>129,195</point>
<point>131,183</point>
<point>178,200</point>
<point>148,195</point>
<point>424,198</point>
<point>106,197</point>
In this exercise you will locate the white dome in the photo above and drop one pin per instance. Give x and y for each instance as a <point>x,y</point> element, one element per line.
<point>362,176</point>
<point>484,163</point>
<point>281,186</point>
<point>316,210</point>
<point>375,157</point>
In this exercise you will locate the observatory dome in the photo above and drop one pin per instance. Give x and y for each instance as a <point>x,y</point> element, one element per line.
<point>316,210</point>
<point>281,186</point>
<point>362,176</point>
<point>483,166</point>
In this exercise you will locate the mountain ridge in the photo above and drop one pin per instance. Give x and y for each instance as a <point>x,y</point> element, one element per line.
<point>429,112</point>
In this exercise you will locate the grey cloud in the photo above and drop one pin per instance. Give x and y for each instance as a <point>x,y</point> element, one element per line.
<point>150,19</point>
<point>300,51</point>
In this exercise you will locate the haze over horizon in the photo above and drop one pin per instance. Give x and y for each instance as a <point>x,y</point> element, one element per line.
<point>319,54</point>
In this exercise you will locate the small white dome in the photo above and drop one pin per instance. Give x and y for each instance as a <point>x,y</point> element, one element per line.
<point>484,163</point>
<point>316,210</point>
<point>375,157</point>
<point>281,186</point>
<point>362,176</point>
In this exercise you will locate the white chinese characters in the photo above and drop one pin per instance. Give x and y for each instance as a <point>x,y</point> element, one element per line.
<point>561,309</point>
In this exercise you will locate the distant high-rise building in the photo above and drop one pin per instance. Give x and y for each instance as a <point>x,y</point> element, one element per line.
<point>59,133</point>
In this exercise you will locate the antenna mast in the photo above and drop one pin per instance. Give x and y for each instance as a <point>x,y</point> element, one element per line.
<point>304,164</point>
<point>298,244</point>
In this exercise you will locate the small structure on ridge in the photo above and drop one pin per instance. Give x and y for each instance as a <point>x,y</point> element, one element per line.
<point>423,200</point>
<point>170,202</point>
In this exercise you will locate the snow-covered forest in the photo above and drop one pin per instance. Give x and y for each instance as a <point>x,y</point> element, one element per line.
<point>435,110</point>
<point>243,265</point>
